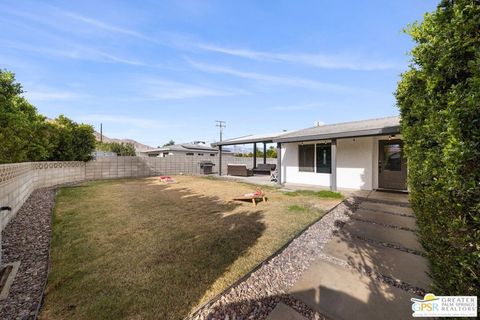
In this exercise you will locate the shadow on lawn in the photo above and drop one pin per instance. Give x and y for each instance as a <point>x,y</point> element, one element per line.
<point>333,290</point>
<point>178,245</point>
<point>207,236</point>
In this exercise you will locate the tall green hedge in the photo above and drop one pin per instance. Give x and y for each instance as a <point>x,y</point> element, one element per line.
<point>439,101</point>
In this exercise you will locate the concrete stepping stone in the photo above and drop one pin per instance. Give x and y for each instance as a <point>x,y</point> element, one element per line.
<point>377,206</point>
<point>392,197</point>
<point>397,237</point>
<point>284,312</point>
<point>340,293</point>
<point>396,264</point>
<point>386,218</point>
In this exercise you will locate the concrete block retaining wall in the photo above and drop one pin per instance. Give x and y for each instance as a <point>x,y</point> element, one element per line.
<point>18,180</point>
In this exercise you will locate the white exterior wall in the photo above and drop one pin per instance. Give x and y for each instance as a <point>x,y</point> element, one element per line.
<point>357,164</point>
<point>291,172</point>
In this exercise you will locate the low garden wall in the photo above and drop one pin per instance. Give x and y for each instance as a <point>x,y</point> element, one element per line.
<point>18,180</point>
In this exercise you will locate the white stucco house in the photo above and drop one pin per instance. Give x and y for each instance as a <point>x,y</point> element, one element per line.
<point>366,155</point>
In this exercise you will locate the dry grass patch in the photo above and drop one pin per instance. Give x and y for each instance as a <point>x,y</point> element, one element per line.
<point>139,249</point>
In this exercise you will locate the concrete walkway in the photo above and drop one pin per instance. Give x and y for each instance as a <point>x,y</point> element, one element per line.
<point>370,268</point>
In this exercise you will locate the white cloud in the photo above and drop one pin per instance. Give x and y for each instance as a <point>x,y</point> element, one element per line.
<point>105,26</point>
<point>143,123</point>
<point>278,80</point>
<point>75,52</point>
<point>319,60</point>
<point>160,89</point>
<point>51,95</point>
<point>297,107</point>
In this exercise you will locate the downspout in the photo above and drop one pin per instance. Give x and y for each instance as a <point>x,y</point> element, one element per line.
<point>279,163</point>
<point>333,174</point>
<point>219,160</point>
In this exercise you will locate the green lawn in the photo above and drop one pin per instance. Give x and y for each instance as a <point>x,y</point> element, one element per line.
<point>138,249</point>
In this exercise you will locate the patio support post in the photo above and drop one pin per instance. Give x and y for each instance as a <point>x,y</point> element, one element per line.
<point>279,163</point>
<point>254,155</point>
<point>264,152</point>
<point>219,160</point>
<point>333,175</point>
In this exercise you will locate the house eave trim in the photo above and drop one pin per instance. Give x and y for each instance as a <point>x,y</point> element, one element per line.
<point>340,135</point>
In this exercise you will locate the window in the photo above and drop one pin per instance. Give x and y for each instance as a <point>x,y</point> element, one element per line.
<point>306,155</point>
<point>212,154</point>
<point>165,154</point>
<point>200,154</point>
<point>392,154</point>
<point>189,153</point>
<point>324,158</point>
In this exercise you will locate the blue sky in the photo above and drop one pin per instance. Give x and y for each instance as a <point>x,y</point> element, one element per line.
<point>160,70</point>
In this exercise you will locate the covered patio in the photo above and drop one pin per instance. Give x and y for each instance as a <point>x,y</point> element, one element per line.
<point>254,140</point>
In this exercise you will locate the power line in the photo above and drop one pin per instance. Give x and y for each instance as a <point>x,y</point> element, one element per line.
<point>221,124</point>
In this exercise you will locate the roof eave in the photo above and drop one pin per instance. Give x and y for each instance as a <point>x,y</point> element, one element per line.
<point>347,134</point>
<point>232,143</point>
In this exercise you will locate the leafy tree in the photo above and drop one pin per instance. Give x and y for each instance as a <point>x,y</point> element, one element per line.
<point>84,142</point>
<point>120,148</point>
<point>72,141</point>
<point>169,143</point>
<point>26,135</point>
<point>23,132</point>
<point>271,152</point>
<point>439,101</point>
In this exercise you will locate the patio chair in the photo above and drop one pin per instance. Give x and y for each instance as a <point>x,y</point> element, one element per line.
<point>274,176</point>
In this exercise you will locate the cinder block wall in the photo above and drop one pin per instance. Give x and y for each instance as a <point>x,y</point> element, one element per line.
<point>18,180</point>
<point>52,173</point>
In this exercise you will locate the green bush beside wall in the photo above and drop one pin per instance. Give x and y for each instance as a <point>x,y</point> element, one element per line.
<point>439,101</point>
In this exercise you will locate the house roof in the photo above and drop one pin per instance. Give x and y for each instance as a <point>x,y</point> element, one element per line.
<point>362,128</point>
<point>372,127</point>
<point>185,147</point>
<point>267,137</point>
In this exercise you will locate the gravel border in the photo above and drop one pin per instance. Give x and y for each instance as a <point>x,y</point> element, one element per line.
<point>26,238</point>
<point>255,295</point>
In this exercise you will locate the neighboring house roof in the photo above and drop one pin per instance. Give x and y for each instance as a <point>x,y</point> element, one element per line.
<point>372,127</point>
<point>267,137</point>
<point>185,147</point>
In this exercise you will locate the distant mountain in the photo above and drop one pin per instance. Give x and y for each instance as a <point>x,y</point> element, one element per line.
<point>138,146</point>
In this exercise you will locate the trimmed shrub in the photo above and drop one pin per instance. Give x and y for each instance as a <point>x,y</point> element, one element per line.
<point>439,101</point>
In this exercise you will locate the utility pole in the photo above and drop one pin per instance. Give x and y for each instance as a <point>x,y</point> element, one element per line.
<point>101,133</point>
<point>221,124</point>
